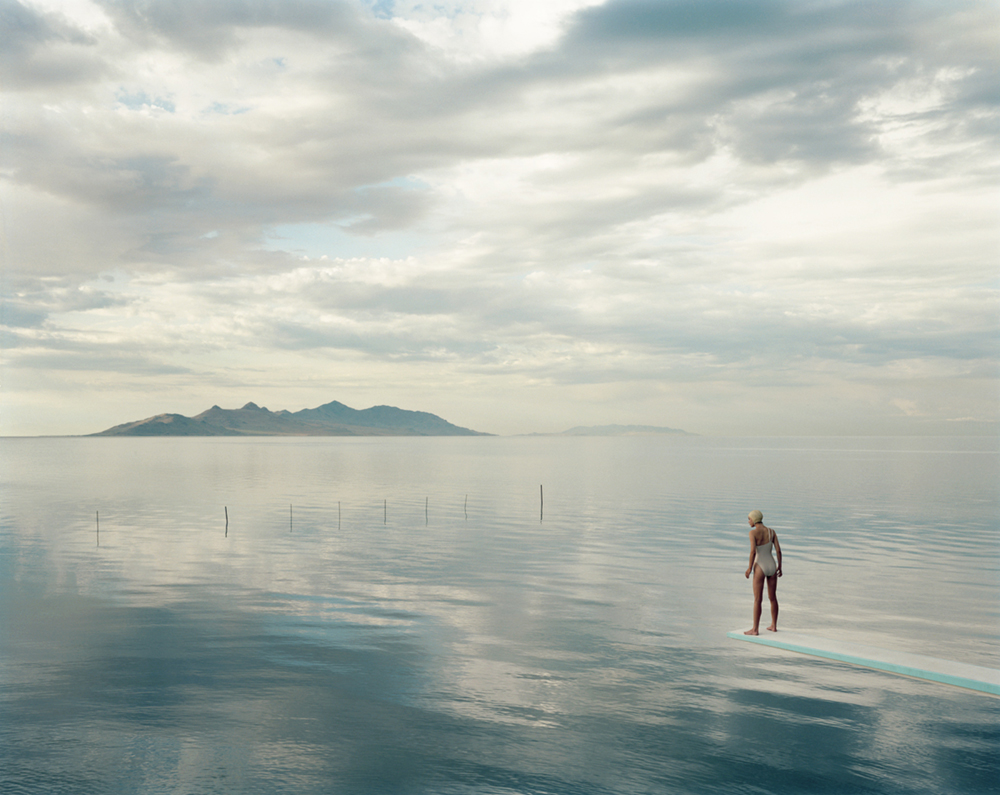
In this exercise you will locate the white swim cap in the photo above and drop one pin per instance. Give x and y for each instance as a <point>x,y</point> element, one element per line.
<point>755,516</point>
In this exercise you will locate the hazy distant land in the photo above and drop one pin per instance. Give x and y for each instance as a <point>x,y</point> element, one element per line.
<point>330,419</point>
<point>621,430</point>
<point>616,430</point>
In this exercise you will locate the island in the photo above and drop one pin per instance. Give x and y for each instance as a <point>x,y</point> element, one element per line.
<point>330,419</point>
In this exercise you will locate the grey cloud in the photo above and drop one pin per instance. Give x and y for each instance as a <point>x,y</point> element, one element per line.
<point>809,33</point>
<point>812,125</point>
<point>23,29</point>
<point>91,358</point>
<point>52,347</point>
<point>736,330</point>
<point>476,319</point>
<point>778,82</point>
<point>43,49</point>
<point>385,207</point>
<point>15,314</point>
<point>823,57</point>
<point>209,28</point>
<point>378,343</point>
<point>36,299</point>
<point>130,182</point>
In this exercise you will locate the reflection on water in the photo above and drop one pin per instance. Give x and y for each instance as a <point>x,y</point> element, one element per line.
<point>418,629</point>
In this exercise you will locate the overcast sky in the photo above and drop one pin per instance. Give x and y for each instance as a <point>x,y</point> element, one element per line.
<point>730,217</point>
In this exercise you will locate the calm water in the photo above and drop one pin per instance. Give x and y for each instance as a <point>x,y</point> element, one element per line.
<point>412,624</point>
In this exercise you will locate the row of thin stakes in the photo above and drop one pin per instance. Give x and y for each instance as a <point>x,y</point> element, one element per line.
<point>385,513</point>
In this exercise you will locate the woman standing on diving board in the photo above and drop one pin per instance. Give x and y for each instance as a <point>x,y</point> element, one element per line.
<point>763,567</point>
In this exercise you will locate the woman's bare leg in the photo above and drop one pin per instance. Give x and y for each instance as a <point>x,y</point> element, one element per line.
<point>772,595</point>
<point>758,596</point>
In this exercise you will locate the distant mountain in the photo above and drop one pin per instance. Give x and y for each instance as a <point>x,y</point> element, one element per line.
<point>621,430</point>
<point>167,425</point>
<point>331,419</point>
<point>252,420</point>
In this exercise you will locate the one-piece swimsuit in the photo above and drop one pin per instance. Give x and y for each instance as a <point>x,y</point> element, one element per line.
<point>764,558</point>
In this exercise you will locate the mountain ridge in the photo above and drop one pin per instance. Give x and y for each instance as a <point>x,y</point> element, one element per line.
<point>330,419</point>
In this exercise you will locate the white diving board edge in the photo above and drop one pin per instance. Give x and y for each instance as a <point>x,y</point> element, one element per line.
<point>971,677</point>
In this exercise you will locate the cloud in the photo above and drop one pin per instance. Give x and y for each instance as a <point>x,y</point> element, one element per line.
<point>45,50</point>
<point>208,29</point>
<point>604,194</point>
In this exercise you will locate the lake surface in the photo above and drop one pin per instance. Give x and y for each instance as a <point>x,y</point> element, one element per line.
<point>406,615</point>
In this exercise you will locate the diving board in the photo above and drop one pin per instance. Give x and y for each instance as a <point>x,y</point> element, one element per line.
<point>973,677</point>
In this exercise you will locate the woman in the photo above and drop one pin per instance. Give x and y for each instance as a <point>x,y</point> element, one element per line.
<point>764,568</point>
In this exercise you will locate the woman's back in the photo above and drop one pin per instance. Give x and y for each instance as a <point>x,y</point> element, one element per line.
<point>764,539</point>
<point>762,535</point>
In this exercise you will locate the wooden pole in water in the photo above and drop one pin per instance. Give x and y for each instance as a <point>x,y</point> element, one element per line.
<point>98,528</point>
<point>541,504</point>
<point>226,508</point>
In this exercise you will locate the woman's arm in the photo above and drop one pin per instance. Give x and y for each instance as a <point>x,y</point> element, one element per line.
<point>777,549</point>
<point>753,554</point>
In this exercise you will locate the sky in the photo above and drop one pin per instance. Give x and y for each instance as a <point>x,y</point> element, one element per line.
<point>732,217</point>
